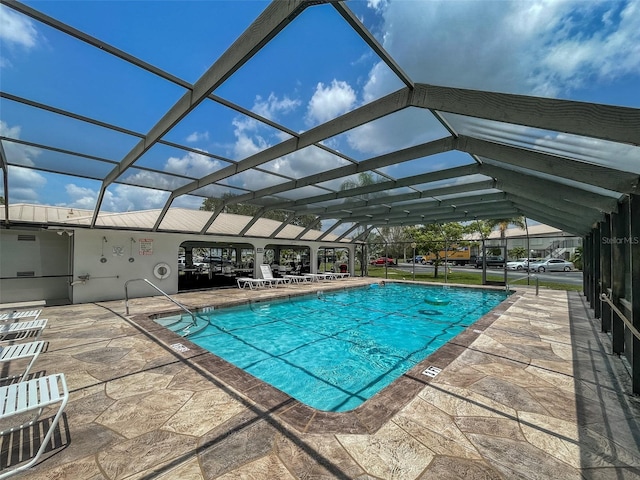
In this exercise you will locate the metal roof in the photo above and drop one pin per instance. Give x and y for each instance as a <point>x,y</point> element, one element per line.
<point>180,220</point>
<point>560,162</point>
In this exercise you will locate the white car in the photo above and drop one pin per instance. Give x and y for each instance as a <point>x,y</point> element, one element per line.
<point>551,265</point>
<point>520,264</point>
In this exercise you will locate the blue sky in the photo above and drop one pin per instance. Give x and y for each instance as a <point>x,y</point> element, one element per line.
<point>315,70</point>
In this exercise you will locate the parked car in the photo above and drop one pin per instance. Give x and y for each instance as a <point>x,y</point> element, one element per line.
<point>520,264</point>
<point>492,261</point>
<point>418,259</point>
<point>551,265</point>
<point>383,261</point>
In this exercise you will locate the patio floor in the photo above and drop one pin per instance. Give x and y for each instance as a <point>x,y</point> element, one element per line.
<point>531,391</point>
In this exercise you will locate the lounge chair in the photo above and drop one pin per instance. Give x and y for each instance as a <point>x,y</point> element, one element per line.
<point>267,274</point>
<point>17,331</point>
<point>244,282</point>
<point>22,351</point>
<point>341,274</point>
<point>29,396</point>
<point>296,275</point>
<point>4,317</point>
<point>297,278</point>
<point>316,277</point>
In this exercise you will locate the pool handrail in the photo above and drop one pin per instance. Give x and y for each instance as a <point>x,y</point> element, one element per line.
<point>126,298</point>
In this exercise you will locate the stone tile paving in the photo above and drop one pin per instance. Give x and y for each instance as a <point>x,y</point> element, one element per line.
<point>529,392</point>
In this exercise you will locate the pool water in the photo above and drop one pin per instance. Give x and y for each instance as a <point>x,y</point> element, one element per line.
<point>333,351</point>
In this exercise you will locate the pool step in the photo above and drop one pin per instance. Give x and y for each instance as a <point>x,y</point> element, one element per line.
<point>183,326</point>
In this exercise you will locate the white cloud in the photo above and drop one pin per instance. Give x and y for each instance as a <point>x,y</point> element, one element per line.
<point>192,165</point>
<point>16,32</point>
<point>128,198</point>
<point>25,185</point>
<point>247,144</point>
<point>253,136</point>
<point>330,101</point>
<point>537,47</point>
<point>602,55</point>
<point>81,197</point>
<point>125,198</point>
<point>197,137</point>
<point>17,153</point>
<point>305,162</point>
<point>541,47</point>
<point>16,29</point>
<point>7,131</point>
<point>272,107</point>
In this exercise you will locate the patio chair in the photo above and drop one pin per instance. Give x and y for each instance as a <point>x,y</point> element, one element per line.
<point>26,397</point>
<point>244,282</point>
<point>19,330</point>
<point>316,277</point>
<point>15,315</point>
<point>21,351</point>
<point>267,274</point>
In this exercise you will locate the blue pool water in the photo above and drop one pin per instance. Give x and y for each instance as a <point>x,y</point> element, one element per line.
<point>332,351</point>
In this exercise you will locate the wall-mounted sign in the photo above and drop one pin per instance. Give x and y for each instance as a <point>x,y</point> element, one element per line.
<point>259,250</point>
<point>146,246</point>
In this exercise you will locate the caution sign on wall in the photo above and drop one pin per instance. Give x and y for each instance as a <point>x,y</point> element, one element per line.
<point>146,246</point>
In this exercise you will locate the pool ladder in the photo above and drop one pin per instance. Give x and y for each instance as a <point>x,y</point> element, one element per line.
<point>126,299</point>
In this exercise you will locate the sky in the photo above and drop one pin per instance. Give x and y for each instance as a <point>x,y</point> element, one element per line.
<point>313,71</point>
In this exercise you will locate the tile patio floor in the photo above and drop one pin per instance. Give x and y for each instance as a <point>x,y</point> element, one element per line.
<point>529,392</point>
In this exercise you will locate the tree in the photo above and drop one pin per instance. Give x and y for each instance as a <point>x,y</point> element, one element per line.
<point>397,238</point>
<point>435,237</point>
<point>364,179</point>
<point>212,203</point>
<point>576,258</point>
<point>1,200</point>
<point>503,224</point>
<point>518,252</point>
<point>479,226</point>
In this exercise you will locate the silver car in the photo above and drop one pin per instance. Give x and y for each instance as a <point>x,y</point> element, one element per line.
<point>551,265</point>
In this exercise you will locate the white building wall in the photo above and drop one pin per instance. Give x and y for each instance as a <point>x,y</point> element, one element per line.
<point>134,255</point>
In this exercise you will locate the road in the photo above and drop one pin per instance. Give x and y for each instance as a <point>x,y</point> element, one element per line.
<point>569,278</point>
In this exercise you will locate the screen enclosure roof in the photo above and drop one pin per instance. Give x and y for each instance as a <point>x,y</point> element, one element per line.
<point>451,154</point>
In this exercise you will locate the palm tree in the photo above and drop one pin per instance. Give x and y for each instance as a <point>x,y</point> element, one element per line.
<point>504,223</point>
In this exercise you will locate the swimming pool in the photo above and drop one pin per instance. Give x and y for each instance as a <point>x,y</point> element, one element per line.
<point>333,351</point>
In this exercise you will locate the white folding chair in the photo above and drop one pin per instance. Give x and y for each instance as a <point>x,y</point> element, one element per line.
<point>4,317</point>
<point>17,331</point>
<point>29,396</point>
<point>21,351</point>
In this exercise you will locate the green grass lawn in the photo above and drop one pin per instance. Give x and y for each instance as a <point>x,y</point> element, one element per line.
<point>462,278</point>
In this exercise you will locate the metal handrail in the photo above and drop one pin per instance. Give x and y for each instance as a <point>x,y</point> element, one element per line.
<point>605,298</point>
<point>522,278</point>
<point>126,298</point>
